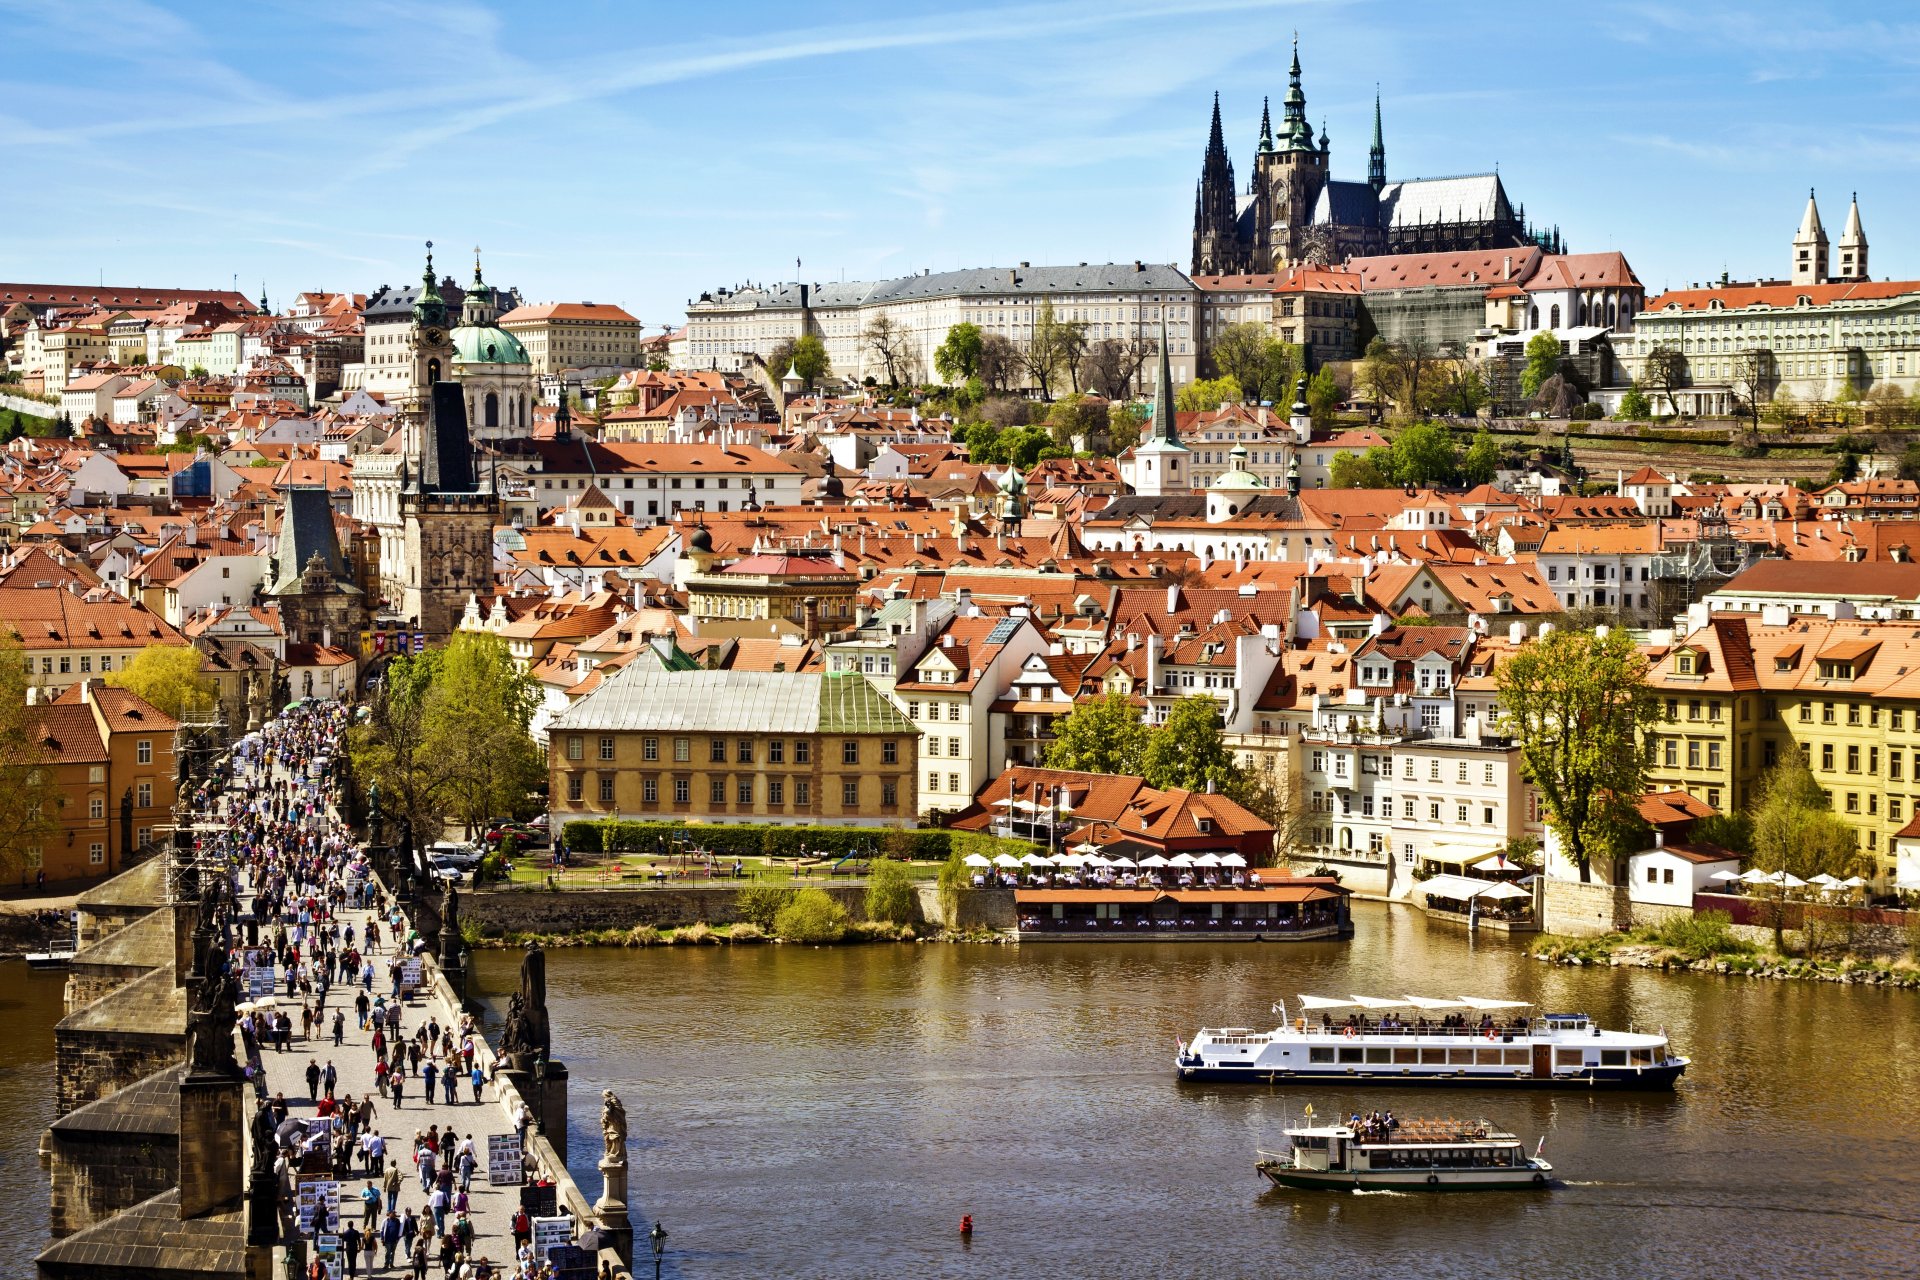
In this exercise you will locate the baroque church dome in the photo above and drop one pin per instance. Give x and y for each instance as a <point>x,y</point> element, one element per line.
<point>486,344</point>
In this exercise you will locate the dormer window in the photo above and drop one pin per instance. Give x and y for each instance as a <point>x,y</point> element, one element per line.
<point>1205,825</point>
<point>1831,669</point>
<point>1683,665</point>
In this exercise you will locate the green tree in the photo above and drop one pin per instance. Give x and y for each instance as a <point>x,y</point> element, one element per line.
<point>169,678</point>
<point>1189,750</point>
<point>1482,459</point>
<point>1663,369</point>
<point>390,747</point>
<point>1424,454</point>
<point>1243,352</point>
<point>810,359</point>
<point>890,893</point>
<point>30,799</point>
<point>760,904</point>
<point>1054,345</point>
<point>62,427</point>
<point>1206,394</point>
<point>1359,470</point>
<point>1323,396</point>
<point>812,916</point>
<point>478,713</point>
<point>1463,389</point>
<point>1543,361</point>
<point>1101,736</point>
<point>1796,831</point>
<point>1125,423</point>
<point>1580,706</point>
<point>1634,406</point>
<point>1377,375</point>
<point>958,358</point>
<point>197,372</point>
<point>1280,800</point>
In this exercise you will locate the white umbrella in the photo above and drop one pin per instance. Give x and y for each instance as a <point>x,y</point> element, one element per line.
<point>1009,802</point>
<point>1154,860</point>
<point>1072,860</point>
<point>1006,860</point>
<point>976,860</point>
<point>1854,882</point>
<point>1787,880</point>
<point>1824,879</point>
<point>1122,861</point>
<point>1724,876</point>
<point>1753,875</point>
<point>1037,860</point>
<point>1207,860</point>
<point>1095,860</point>
<point>1085,848</point>
<point>1181,860</point>
<point>1233,860</point>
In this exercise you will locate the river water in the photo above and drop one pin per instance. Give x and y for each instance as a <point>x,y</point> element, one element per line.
<point>832,1112</point>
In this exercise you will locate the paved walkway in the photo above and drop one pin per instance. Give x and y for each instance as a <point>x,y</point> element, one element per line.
<point>353,1061</point>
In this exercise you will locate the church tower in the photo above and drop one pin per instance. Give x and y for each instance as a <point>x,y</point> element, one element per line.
<point>447,521</point>
<point>1377,153</point>
<point>1293,179</point>
<point>1810,247</point>
<point>1852,246</point>
<point>1160,461</point>
<point>430,360</point>
<point>1216,247</point>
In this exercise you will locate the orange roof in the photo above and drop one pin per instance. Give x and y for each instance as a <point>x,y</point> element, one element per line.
<point>1736,296</point>
<point>1487,267</point>
<point>602,311</point>
<point>1583,271</point>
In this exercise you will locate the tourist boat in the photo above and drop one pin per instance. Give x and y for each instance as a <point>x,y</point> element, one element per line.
<point>1416,1040</point>
<point>1412,1155</point>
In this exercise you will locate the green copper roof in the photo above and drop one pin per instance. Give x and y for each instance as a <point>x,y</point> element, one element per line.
<point>485,344</point>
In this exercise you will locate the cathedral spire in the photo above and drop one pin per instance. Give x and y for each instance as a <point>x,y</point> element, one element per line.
<point>1299,132</point>
<point>1266,127</point>
<point>1377,153</point>
<point>1216,142</point>
<point>1164,427</point>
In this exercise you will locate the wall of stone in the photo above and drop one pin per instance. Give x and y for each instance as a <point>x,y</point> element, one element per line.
<point>94,1176</point>
<point>567,911</point>
<point>89,1066</point>
<point>975,908</point>
<point>96,923</point>
<point>1584,909</point>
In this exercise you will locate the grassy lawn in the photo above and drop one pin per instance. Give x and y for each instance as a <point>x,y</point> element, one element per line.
<point>637,870</point>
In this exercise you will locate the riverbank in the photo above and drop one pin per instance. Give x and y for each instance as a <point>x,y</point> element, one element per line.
<point>1638,950</point>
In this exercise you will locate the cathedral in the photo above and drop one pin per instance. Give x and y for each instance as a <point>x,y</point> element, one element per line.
<point>1292,212</point>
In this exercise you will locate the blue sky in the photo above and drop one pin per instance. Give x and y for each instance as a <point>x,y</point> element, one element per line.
<point>641,153</point>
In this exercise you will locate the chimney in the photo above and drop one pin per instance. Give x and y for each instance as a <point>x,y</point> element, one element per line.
<point>86,692</point>
<point>946,640</point>
<point>1173,598</point>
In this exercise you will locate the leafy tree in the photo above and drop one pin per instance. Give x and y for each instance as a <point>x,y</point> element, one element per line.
<point>1351,470</point>
<point>1189,750</point>
<point>1206,394</point>
<point>812,916</point>
<point>1323,396</point>
<point>1663,369</point>
<point>890,893</point>
<point>1378,376</point>
<point>958,358</point>
<point>1052,344</point>
<point>29,797</point>
<point>169,678</point>
<point>1023,447</point>
<point>1280,800</point>
<point>1730,831</point>
<point>1796,831</point>
<point>810,358</point>
<point>1482,459</point>
<point>1423,455</point>
<point>1245,352</point>
<point>760,903</point>
<point>1002,412</point>
<point>999,362</point>
<point>390,748</point>
<point>1910,462</point>
<point>1125,423</point>
<point>1557,398</point>
<point>478,713</point>
<point>62,427</point>
<point>1634,406</point>
<point>1543,361</point>
<point>1580,705</point>
<point>1074,415</point>
<point>1463,389</point>
<point>1101,736</point>
<point>198,371</point>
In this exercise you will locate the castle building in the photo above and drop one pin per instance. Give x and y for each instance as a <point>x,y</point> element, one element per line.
<point>1293,211</point>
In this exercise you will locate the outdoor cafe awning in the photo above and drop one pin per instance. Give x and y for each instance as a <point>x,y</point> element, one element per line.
<point>1465,888</point>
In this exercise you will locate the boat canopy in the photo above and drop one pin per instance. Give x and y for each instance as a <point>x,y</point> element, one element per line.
<point>1375,1002</point>
<point>1432,1005</point>
<point>1487,1006</point>
<point>1324,1002</point>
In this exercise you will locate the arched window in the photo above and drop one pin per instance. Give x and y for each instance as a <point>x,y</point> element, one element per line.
<point>1533,317</point>
<point>433,372</point>
<point>1581,312</point>
<point>492,412</point>
<point>1554,321</point>
<point>1612,314</point>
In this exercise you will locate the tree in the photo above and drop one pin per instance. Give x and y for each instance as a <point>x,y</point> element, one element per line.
<point>958,358</point>
<point>168,678</point>
<point>1378,375</point>
<point>1105,368</point>
<point>1543,362</point>
<point>810,358</point>
<point>1413,361</point>
<point>197,372</point>
<point>1663,369</point>
<point>1188,750</point>
<point>1279,800</point>
<point>29,797</point>
<point>1580,705</point>
<point>890,894</point>
<point>890,343</point>
<point>1796,831</point>
<point>812,916</point>
<point>1075,416</point>
<point>1125,423</point>
<point>1052,344</point>
<point>1323,396</point>
<point>1207,394</point>
<point>1240,352</point>
<point>999,362</point>
<point>1423,455</point>
<point>1910,462</point>
<point>1751,376</point>
<point>1634,406</point>
<point>477,717</point>
<point>389,749</point>
<point>1783,411</point>
<point>1002,412</point>
<point>1482,459</point>
<point>1463,389</point>
<point>62,427</point>
<point>1358,471</point>
<point>1101,736</point>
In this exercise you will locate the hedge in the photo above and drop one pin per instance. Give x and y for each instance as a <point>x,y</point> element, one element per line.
<point>748,841</point>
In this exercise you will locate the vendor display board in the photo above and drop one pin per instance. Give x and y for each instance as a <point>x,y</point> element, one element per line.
<point>551,1233</point>
<point>319,1205</point>
<point>503,1160</point>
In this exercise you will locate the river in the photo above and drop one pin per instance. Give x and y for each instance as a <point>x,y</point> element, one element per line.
<point>833,1111</point>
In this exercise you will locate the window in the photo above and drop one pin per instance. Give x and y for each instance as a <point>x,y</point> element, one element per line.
<point>682,790</point>
<point>1406,810</point>
<point>776,751</point>
<point>1896,719</point>
<point>776,791</point>
<point>1671,752</point>
<point>717,791</point>
<point>143,795</point>
<point>1488,778</point>
<point>717,751</point>
<point>1713,709</point>
<point>576,747</point>
<point>802,793</point>
<point>1853,802</point>
<point>143,751</point>
<point>96,807</point>
<point>1460,774</point>
<point>953,711</point>
<point>1693,755</point>
<point>1433,811</point>
<point>953,746</point>
<point>1460,814</point>
<point>682,749</point>
<point>889,752</point>
<point>1407,772</point>
<point>1826,756</point>
<point>1433,771</point>
<point>1486,815</point>
<point>606,748</point>
<point>743,790</point>
<point>933,782</point>
<point>889,794</point>
<point>802,750</point>
<point>849,793</point>
<point>953,782</point>
<point>650,790</point>
<point>649,748</point>
<point>574,785</point>
<point>913,711</point>
<point>1713,755</point>
<point>1894,763</point>
<point>850,751</point>
<point>1693,708</point>
<point>96,852</point>
<point>606,788</point>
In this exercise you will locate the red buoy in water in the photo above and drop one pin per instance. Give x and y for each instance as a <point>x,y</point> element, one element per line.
<point>966,1224</point>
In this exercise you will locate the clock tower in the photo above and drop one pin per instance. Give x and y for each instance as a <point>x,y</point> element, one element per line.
<point>432,354</point>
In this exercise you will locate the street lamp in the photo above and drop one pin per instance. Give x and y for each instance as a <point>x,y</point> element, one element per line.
<point>658,1239</point>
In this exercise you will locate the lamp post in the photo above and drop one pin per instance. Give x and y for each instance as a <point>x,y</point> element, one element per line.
<point>658,1239</point>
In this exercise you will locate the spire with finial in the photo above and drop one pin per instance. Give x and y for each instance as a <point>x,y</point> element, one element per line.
<point>1164,426</point>
<point>1323,134</point>
<point>1299,132</point>
<point>429,308</point>
<point>1377,153</point>
<point>264,308</point>
<point>478,308</point>
<point>1266,127</point>
<point>1852,245</point>
<point>1216,141</point>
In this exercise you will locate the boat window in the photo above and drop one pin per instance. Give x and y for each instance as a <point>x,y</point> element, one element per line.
<point>1567,1058</point>
<point>1518,1057</point>
<point>1643,1057</point>
<point>1490,1057</point>
<point>1460,1057</point>
<point>1403,1056</point>
<point>1318,1054</point>
<point>1613,1057</point>
<point>1379,1055</point>
<point>1349,1055</point>
<point>1434,1057</point>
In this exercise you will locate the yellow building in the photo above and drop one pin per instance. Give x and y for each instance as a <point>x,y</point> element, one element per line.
<point>575,335</point>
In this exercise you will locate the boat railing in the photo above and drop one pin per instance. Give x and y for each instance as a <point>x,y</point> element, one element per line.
<point>1355,1030</point>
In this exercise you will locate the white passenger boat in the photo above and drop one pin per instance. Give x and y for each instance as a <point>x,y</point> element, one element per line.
<point>1416,1040</point>
<point>1412,1155</point>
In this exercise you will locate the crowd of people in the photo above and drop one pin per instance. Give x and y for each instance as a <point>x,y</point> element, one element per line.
<point>322,931</point>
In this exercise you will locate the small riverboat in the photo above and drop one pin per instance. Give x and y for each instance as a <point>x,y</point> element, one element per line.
<point>1408,1155</point>
<point>1415,1040</point>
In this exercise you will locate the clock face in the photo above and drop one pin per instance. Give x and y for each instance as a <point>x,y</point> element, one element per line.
<point>434,336</point>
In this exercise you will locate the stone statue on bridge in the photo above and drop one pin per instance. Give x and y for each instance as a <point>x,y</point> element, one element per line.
<point>613,1128</point>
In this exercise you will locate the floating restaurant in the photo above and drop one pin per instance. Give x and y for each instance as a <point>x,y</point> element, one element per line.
<point>1290,910</point>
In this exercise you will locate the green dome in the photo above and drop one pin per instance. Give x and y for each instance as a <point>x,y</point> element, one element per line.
<point>485,344</point>
<point>1238,477</point>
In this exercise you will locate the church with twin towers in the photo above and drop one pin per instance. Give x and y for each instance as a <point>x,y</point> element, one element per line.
<point>1293,211</point>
